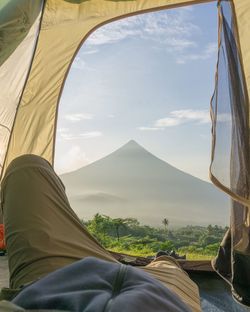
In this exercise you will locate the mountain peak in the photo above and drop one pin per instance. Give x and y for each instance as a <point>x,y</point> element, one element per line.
<point>132,144</point>
<point>132,148</point>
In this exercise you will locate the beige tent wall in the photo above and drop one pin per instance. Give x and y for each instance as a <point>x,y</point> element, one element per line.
<point>64,27</point>
<point>19,28</point>
<point>11,84</point>
<point>16,19</point>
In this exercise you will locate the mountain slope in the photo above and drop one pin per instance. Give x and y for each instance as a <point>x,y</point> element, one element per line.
<point>131,182</point>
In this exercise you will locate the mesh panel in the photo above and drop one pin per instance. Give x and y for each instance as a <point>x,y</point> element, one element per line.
<point>230,155</point>
<point>230,165</point>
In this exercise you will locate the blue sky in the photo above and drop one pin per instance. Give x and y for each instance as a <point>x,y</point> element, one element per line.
<point>149,78</point>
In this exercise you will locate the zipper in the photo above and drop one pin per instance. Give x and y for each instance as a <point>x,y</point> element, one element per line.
<point>116,286</point>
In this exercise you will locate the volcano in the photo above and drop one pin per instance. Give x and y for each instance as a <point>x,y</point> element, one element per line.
<point>132,182</point>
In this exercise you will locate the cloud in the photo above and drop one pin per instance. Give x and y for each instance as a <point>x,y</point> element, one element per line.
<point>91,134</point>
<point>167,122</point>
<point>67,136</point>
<point>205,136</point>
<point>78,63</point>
<point>62,130</point>
<point>179,117</point>
<point>178,45</point>
<point>64,134</point>
<point>149,128</point>
<point>78,117</point>
<point>171,30</point>
<point>207,53</point>
<point>73,159</point>
<point>88,52</point>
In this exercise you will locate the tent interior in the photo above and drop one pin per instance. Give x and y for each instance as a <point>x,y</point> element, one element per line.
<point>39,41</point>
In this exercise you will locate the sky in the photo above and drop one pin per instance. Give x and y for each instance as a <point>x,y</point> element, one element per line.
<point>148,78</point>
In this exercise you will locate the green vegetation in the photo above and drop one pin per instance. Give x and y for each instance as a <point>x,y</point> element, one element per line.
<point>128,236</point>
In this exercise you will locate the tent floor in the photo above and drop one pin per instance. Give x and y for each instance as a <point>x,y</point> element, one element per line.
<point>215,293</point>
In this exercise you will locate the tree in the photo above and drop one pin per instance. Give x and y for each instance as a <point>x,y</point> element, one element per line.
<point>170,235</point>
<point>165,222</point>
<point>122,223</point>
<point>210,229</point>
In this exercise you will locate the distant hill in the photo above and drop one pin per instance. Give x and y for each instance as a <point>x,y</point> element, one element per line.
<point>132,182</point>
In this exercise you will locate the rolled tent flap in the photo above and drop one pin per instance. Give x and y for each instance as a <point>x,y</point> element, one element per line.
<point>230,167</point>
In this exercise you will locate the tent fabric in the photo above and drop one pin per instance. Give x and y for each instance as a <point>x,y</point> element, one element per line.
<point>230,168</point>
<point>22,22</point>
<point>230,114</point>
<point>16,19</point>
<point>38,42</point>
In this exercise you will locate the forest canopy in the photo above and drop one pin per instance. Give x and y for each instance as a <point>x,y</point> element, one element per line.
<point>127,235</point>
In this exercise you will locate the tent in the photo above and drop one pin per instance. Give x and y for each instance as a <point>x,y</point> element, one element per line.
<point>38,42</point>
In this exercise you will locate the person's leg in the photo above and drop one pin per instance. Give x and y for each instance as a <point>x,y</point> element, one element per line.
<point>168,271</point>
<point>42,231</point>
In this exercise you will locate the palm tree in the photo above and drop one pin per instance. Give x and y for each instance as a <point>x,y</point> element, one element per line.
<point>165,222</point>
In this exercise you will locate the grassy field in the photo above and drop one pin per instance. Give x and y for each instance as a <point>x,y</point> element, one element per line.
<point>148,253</point>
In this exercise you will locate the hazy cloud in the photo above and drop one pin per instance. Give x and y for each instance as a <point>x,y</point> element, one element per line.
<point>73,159</point>
<point>78,63</point>
<point>178,117</point>
<point>62,130</point>
<point>172,30</point>
<point>149,128</point>
<point>64,134</point>
<point>78,117</point>
<point>207,53</point>
<point>205,136</point>
<point>67,136</point>
<point>87,52</point>
<point>91,134</point>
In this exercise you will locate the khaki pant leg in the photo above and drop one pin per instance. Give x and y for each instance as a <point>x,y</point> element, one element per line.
<point>168,271</point>
<point>42,231</point>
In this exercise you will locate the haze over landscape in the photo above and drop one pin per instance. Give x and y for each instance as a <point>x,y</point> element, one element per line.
<point>132,182</point>
<point>148,77</point>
